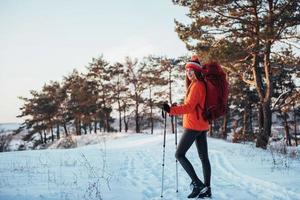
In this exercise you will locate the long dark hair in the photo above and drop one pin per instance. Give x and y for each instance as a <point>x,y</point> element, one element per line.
<point>198,76</point>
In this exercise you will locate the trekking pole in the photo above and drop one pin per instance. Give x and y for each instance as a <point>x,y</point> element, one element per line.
<point>164,115</point>
<point>175,151</point>
<point>175,132</point>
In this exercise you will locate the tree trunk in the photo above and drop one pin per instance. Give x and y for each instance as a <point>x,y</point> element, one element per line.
<point>100,126</point>
<point>95,126</point>
<point>52,135</point>
<point>246,121</point>
<point>224,127</point>
<point>79,126</point>
<point>84,128</point>
<point>126,126</point>
<point>217,127</point>
<point>225,120</point>
<point>45,137</point>
<point>41,135</point>
<point>104,127</point>
<point>295,124</point>
<point>257,74</point>
<point>151,111</point>
<point>263,137</point>
<point>120,113</point>
<point>210,130</point>
<point>76,126</point>
<point>124,119</point>
<point>265,95</point>
<point>152,121</point>
<point>260,119</point>
<point>287,130</point>
<point>57,131</point>
<point>250,120</point>
<point>107,121</point>
<point>65,128</point>
<point>137,125</point>
<point>90,127</point>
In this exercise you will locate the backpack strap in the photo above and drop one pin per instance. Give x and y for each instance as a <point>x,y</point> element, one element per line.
<point>205,101</point>
<point>198,105</point>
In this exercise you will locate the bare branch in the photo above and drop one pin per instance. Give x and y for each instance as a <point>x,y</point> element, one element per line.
<point>240,75</point>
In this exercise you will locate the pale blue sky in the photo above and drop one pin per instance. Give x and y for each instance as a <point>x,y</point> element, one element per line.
<point>45,40</point>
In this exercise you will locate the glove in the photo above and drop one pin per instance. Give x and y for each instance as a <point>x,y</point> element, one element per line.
<point>166,107</point>
<point>174,104</point>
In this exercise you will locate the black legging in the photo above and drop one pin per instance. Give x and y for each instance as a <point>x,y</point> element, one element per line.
<point>187,139</point>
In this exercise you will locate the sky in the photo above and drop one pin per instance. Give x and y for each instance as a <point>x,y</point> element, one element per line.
<point>45,40</point>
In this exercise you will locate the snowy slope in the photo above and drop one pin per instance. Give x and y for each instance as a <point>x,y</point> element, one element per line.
<point>130,168</point>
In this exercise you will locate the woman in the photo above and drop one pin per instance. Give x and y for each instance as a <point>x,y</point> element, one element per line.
<point>195,128</point>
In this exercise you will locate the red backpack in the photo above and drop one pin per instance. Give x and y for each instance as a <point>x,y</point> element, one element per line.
<point>216,91</point>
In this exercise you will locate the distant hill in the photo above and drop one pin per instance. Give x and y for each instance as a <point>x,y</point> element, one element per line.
<point>8,126</point>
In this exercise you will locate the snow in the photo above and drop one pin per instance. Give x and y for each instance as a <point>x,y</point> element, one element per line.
<point>129,166</point>
<point>15,144</point>
<point>83,140</point>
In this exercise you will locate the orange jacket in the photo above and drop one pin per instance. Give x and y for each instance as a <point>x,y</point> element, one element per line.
<point>191,118</point>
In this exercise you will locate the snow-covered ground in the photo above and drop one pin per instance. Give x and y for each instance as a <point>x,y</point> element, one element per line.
<point>129,167</point>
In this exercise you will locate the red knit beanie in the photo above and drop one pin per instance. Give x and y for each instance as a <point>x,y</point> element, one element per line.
<point>195,64</point>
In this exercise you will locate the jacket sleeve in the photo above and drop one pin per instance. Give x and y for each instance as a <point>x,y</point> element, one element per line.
<point>190,102</point>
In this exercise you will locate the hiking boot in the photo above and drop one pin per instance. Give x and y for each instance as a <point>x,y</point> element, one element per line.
<point>205,192</point>
<point>197,187</point>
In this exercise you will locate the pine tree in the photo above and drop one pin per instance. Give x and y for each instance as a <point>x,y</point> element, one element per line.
<point>39,111</point>
<point>153,79</point>
<point>119,88</point>
<point>134,73</point>
<point>76,98</point>
<point>285,68</point>
<point>50,105</point>
<point>172,70</point>
<point>256,26</point>
<point>33,120</point>
<point>125,105</point>
<point>100,74</point>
